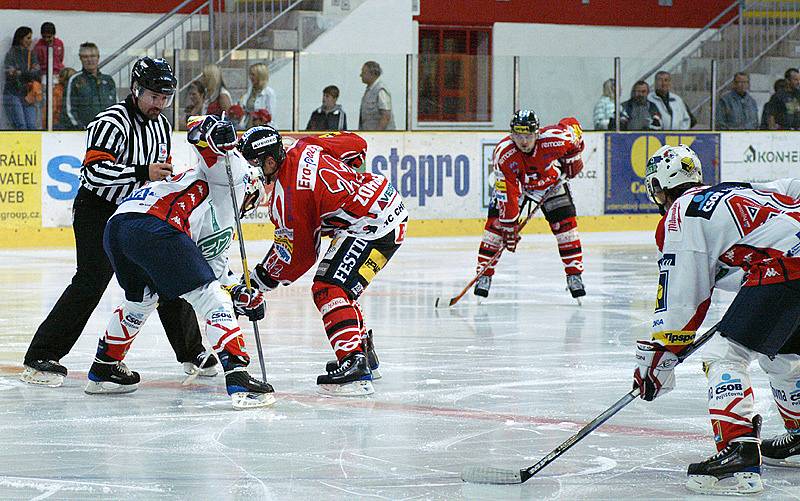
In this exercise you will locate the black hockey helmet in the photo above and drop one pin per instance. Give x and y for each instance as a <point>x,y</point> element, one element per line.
<point>261,142</point>
<point>154,74</point>
<point>524,122</point>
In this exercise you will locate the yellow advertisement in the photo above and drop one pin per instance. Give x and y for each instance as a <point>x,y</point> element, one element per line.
<point>20,180</point>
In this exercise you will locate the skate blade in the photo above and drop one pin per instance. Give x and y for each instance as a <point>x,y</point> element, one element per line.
<point>49,379</point>
<point>790,462</point>
<point>107,387</point>
<point>191,369</point>
<point>354,389</point>
<point>243,400</point>
<point>739,484</point>
<point>376,373</point>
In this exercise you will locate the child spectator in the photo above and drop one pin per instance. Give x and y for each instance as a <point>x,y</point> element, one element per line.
<point>329,116</point>
<point>49,39</point>
<point>58,96</point>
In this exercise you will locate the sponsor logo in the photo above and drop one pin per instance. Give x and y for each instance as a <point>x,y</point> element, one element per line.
<point>728,386</point>
<point>552,144</point>
<point>674,221</point>
<point>779,394</point>
<point>704,203</point>
<point>424,176</point>
<point>796,249</point>
<point>667,260</point>
<point>794,396</point>
<point>350,259</point>
<point>661,295</point>
<point>264,141</point>
<point>284,244</point>
<point>140,194</point>
<point>771,272</point>
<point>307,168</point>
<point>658,322</point>
<point>216,243</point>
<point>163,154</point>
<point>221,315</point>
<point>751,154</point>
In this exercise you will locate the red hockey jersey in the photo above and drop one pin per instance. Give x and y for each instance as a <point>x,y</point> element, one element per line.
<point>517,173</point>
<point>315,194</point>
<point>348,147</point>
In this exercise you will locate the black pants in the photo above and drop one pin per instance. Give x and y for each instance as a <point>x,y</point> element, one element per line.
<point>63,326</point>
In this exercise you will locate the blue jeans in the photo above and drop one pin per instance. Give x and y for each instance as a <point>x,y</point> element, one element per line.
<point>20,114</point>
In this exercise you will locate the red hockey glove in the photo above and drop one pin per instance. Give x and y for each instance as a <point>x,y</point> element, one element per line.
<point>655,370</point>
<point>247,302</point>
<point>572,166</point>
<point>510,233</point>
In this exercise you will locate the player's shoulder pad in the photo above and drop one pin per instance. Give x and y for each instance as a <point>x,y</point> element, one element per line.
<point>504,150</point>
<point>555,139</point>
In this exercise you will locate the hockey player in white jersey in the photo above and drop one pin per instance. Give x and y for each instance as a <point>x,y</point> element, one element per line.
<point>170,239</point>
<point>735,236</point>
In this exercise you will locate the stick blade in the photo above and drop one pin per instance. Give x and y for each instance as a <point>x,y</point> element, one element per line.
<point>491,475</point>
<point>443,302</point>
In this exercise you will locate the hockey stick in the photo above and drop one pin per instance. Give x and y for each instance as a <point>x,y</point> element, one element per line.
<point>243,254</point>
<point>492,475</point>
<point>447,303</point>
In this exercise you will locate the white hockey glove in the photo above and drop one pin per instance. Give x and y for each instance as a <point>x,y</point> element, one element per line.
<point>655,370</point>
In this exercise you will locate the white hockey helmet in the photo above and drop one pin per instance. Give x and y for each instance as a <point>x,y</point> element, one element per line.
<point>669,167</point>
<point>255,191</point>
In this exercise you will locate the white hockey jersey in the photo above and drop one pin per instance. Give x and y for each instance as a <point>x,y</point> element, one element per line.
<point>198,203</point>
<point>729,235</point>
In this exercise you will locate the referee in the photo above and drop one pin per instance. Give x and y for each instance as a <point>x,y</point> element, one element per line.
<point>128,144</point>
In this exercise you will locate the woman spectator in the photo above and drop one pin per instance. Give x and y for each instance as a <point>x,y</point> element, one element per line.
<point>58,95</point>
<point>604,109</point>
<point>195,99</point>
<point>21,68</point>
<point>258,96</point>
<point>218,99</point>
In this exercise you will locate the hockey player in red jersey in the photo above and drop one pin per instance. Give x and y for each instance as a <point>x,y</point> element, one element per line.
<point>527,163</point>
<point>741,237</point>
<point>317,195</point>
<point>169,239</point>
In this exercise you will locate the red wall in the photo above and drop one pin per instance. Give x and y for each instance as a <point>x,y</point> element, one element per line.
<point>683,13</point>
<point>147,6</point>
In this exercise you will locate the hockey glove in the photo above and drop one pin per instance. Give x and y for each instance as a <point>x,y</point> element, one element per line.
<point>510,233</point>
<point>247,302</point>
<point>221,137</point>
<point>655,370</point>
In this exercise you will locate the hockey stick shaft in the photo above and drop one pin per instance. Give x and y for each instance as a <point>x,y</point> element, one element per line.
<point>496,257</point>
<point>489,475</point>
<point>243,254</point>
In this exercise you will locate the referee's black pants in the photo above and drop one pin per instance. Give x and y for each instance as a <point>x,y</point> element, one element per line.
<point>63,326</point>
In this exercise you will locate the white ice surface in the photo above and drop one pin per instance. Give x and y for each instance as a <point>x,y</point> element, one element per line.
<point>500,383</point>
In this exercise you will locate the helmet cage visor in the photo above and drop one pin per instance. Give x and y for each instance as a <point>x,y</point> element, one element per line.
<point>152,98</point>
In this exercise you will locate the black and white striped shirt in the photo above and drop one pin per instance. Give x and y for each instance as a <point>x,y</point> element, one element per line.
<point>120,146</point>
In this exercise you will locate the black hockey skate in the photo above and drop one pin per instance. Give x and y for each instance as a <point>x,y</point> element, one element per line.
<point>207,369</point>
<point>44,372</point>
<point>351,379</point>
<point>783,450</point>
<point>111,377</point>
<point>482,286</point>
<point>575,286</point>
<point>740,462</point>
<point>247,392</point>
<point>372,357</point>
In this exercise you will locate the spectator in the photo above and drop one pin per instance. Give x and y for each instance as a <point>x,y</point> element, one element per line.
<point>195,99</point>
<point>49,39</point>
<point>791,100</point>
<point>737,109</point>
<point>604,109</point>
<point>637,113</point>
<point>772,115</point>
<point>259,95</point>
<point>260,117</point>
<point>218,99</point>
<point>376,104</point>
<point>58,96</point>
<point>21,68</point>
<point>674,113</point>
<point>88,92</point>
<point>329,116</point>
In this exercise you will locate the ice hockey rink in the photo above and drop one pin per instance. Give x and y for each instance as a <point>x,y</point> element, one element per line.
<point>499,383</point>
